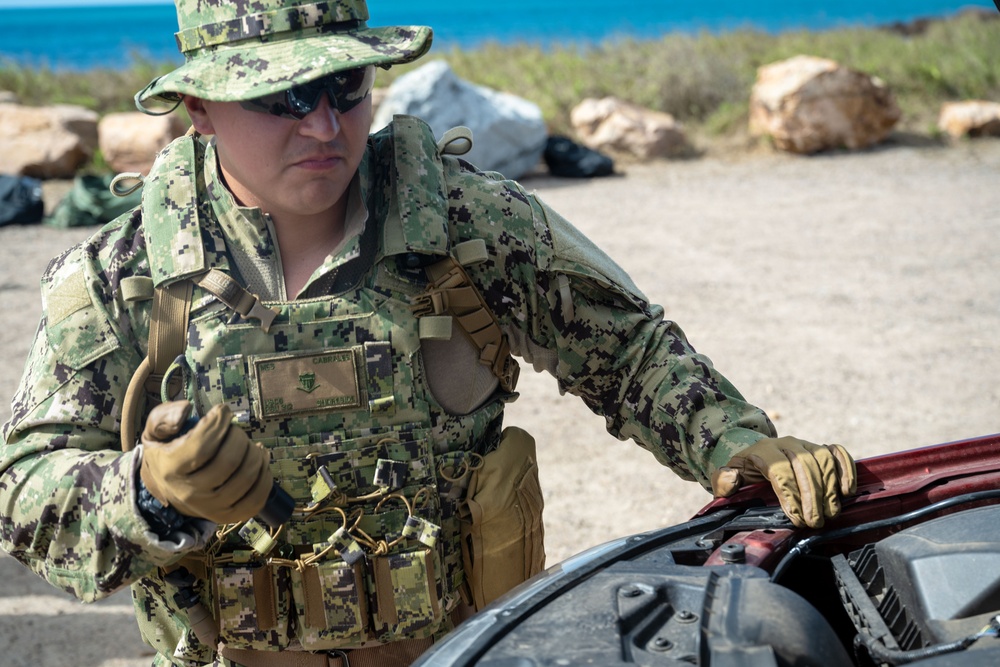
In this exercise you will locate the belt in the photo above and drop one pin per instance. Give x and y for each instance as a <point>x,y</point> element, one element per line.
<point>393,654</point>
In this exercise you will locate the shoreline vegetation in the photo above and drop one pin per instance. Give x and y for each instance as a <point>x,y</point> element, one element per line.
<point>703,80</point>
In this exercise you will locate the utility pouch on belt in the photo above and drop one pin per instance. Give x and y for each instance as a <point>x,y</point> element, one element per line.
<point>503,535</point>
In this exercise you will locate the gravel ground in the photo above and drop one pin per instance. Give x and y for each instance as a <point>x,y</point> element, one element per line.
<point>856,297</point>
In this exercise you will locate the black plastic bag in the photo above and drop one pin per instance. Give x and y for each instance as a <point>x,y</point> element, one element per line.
<point>20,200</point>
<point>567,158</point>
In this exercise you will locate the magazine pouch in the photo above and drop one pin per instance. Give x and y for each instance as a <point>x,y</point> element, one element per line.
<point>251,599</point>
<point>407,602</point>
<point>331,604</point>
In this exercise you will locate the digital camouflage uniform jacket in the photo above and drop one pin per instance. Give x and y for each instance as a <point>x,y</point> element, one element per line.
<point>67,492</point>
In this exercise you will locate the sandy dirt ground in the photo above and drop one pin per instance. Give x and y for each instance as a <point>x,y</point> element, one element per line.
<point>856,297</point>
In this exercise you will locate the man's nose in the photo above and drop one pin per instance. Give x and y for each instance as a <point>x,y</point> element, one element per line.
<point>323,122</point>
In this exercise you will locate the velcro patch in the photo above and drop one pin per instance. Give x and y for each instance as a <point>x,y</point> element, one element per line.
<point>67,297</point>
<point>312,382</point>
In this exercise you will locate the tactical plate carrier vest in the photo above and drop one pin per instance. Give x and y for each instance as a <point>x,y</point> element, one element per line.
<point>337,389</point>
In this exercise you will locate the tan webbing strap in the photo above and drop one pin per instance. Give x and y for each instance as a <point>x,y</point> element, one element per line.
<point>312,590</point>
<point>451,292</point>
<point>132,404</point>
<point>266,606</point>
<point>168,324</point>
<point>384,592</point>
<point>393,654</point>
<point>225,288</point>
<point>249,658</point>
<point>167,339</point>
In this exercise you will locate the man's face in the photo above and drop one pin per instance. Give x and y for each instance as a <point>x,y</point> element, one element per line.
<point>286,167</point>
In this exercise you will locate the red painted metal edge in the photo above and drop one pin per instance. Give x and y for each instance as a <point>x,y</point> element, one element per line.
<point>899,474</point>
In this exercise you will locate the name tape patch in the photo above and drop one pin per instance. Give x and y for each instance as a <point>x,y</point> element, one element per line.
<point>289,384</point>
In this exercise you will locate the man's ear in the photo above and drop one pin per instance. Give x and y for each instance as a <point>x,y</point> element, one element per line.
<point>199,115</point>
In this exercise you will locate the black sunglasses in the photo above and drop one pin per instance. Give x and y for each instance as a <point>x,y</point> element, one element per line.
<point>345,91</point>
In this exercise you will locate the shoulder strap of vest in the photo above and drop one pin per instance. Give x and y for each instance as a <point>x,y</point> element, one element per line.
<point>417,221</point>
<point>167,340</point>
<point>170,212</point>
<point>451,294</point>
<point>168,326</point>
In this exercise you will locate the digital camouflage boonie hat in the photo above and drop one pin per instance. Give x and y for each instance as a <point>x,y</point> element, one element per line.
<point>241,49</point>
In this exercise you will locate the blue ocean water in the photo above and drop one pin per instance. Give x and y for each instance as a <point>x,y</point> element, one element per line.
<point>83,37</point>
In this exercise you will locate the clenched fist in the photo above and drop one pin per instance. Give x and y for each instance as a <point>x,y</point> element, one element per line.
<point>212,471</point>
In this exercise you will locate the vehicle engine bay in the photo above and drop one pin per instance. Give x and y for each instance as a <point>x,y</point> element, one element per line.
<point>914,597</point>
<point>908,574</point>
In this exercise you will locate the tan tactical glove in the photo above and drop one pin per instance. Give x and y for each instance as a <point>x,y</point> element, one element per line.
<point>808,479</point>
<point>213,471</point>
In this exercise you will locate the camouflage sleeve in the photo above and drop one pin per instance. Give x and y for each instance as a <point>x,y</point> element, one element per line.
<point>67,492</point>
<point>569,309</point>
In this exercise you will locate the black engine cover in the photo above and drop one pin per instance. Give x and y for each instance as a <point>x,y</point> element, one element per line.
<point>947,569</point>
<point>635,614</point>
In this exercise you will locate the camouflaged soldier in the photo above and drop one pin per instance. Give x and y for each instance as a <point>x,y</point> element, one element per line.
<point>333,313</point>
